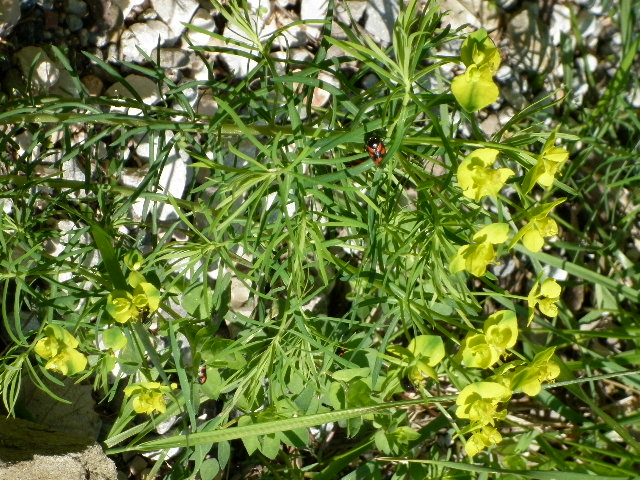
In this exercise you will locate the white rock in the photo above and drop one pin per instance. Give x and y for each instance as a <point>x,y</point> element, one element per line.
<point>239,294</point>
<point>238,64</point>
<point>590,26</point>
<point>146,89</point>
<point>172,181</point>
<point>560,23</point>
<point>147,36</point>
<point>45,74</point>
<point>491,124</point>
<point>170,57</point>
<point>577,97</point>
<point>72,170</point>
<point>9,16</point>
<point>99,150</point>
<point>320,95</point>
<point>133,179</point>
<point>148,14</point>
<point>356,11</point>
<point>596,7</point>
<point>143,150</point>
<point>6,204</point>
<point>207,105</point>
<point>634,97</point>
<point>191,95</point>
<point>536,53</point>
<point>588,63</point>
<point>204,20</point>
<point>127,5</point>
<point>473,13</point>
<point>381,19</point>
<point>175,13</point>
<point>506,114</point>
<point>314,10</point>
<point>66,86</point>
<point>260,5</point>
<point>292,36</point>
<point>199,69</point>
<point>24,141</point>
<point>504,74</point>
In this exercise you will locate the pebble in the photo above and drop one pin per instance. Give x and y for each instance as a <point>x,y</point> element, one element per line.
<point>560,23</point>
<point>66,86</point>
<point>381,17</point>
<point>144,87</point>
<point>175,13</point>
<point>320,95</point>
<point>173,180</point>
<point>127,6</point>
<point>535,57</point>
<point>144,35</point>
<point>471,14</point>
<point>314,10</point>
<point>170,57</point>
<point>74,23</point>
<point>207,105</point>
<point>93,84</point>
<point>10,15</point>
<point>45,74</point>
<point>76,7</point>
<point>356,11</point>
<point>204,20</point>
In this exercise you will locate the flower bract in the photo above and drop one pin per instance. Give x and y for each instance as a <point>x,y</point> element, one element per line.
<point>545,296</point>
<point>540,226</point>
<point>475,258</point>
<point>530,378</point>
<point>479,402</point>
<point>476,177</point>
<point>481,439</point>
<point>59,347</point>
<point>483,350</point>
<point>148,397</point>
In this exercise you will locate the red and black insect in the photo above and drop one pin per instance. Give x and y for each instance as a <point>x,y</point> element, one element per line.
<point>376,150</point>
<point>202,374</point>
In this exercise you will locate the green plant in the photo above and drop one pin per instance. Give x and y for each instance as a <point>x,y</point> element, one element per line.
<point>274,207</point>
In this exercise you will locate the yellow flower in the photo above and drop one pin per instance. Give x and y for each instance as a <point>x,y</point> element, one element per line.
<point>483,350</point>
<point>529,378</point>
<point>59,347</point>
<point>121,307</point>
<point>549,163</point>
<point>482,439</point>
<point>539,227</point>
<point>551,160</point>
<point>124,306</point>
<point>545,296</point>
<point>478,49</point>
<point>148,397</point>
<point>477,179</point>
<point>479,402</point>
<point>474,258</point>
